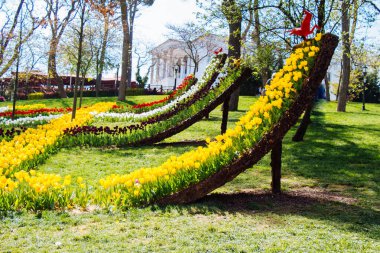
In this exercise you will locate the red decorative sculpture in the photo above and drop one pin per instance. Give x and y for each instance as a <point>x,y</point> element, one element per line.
<point>304,30</point>
<point>218,51</point>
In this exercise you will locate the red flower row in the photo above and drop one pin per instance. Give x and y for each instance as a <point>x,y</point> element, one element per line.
<point>182,87</point>
<point>43,111</point>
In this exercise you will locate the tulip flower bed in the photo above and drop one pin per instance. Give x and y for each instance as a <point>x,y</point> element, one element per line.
<point>188,82</point>
<point>33,190</point>
<point>23,107</point>
<point>144,107</point>
<point>8,134</point>
<point>28,121</point>
<point>105,136</point>
<point>203,85</point>
<point>32,146</point>
<point>35,112</point>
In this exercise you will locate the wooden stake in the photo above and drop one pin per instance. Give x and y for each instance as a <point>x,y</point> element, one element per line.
<point>225,108</point>
<point>276,167</point>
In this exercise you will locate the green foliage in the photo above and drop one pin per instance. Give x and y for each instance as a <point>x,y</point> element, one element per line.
<point>141,80</point>
<point>372,89</point>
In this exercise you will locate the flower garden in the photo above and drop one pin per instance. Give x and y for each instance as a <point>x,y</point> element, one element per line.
<point>23,187</point>
<point>126,198</point>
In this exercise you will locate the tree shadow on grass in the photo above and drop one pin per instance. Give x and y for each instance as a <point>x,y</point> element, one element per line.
<point>219,119</point>
<point>341,211</point>
<point>337,154</point>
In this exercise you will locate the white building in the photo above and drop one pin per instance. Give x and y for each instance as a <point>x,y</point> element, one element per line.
<point>171,61</point>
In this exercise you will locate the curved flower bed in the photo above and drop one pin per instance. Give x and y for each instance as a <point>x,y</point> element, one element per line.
<point>29,148</point>
<point>189,81</point>
<point>138,133</point>
<point>28,121</point>
<point>39,191</point>
<point>23,107</point>
<point>201,86</point>
<point>36,112</point>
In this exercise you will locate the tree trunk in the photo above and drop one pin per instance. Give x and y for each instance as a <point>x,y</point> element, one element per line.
<point>81,91</point>
<point>52,67</point>
<point>79,62</point>
<point>102,54</point>
<point>327,84</point>
<point>302,128</point>
<point>256,37</point>
<point>343,89</point>
<point>125,53</point>
<point>129,65</point>
<point>340,80</point>
<point>233,15</point>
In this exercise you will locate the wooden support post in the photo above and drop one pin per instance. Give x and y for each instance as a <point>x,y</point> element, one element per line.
<point>305,122</point>
<point>225,108</point>
<point>276,167</point>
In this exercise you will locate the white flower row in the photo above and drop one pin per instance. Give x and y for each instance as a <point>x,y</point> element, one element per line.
<point>128,116</point>
<point>40,119</point>
<point>4,109</point>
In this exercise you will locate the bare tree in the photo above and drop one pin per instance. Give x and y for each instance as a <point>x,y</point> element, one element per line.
<point>59,14</point>
<point>194,42</point>
<point>106,9</point>
<point>9,41</point>
<point>83,20</point>
<point>143,58</point>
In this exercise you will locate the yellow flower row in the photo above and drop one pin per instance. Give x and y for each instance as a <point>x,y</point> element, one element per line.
<point>29,107</point>
<point>34,141</point>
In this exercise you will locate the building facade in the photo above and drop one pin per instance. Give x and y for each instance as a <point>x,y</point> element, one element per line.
<point>173,60</point>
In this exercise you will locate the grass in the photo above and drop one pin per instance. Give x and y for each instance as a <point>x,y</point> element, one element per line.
<point>331,201</point>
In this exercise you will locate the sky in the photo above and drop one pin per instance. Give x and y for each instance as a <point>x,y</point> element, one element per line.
<point>151,24</point>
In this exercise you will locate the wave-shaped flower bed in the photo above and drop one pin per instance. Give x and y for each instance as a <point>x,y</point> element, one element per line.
<point>28,121</point>
<point>160,127</point>
<point>33,190</point>
<point>188,82</point>
<point>32,146</point>
<point>202,86</point>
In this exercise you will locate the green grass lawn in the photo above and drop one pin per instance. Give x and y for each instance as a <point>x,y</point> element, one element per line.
<point>331,200</point>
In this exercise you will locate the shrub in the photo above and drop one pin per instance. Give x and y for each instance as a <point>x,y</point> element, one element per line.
<point>35,96</point>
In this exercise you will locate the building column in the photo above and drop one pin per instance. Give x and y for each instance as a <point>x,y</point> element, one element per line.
<point>164,71</point>
<point>152,71</point>
<point>157,70</point>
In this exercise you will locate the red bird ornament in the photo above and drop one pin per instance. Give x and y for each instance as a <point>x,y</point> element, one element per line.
<point>304,30</point>
<point>218,51</point>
